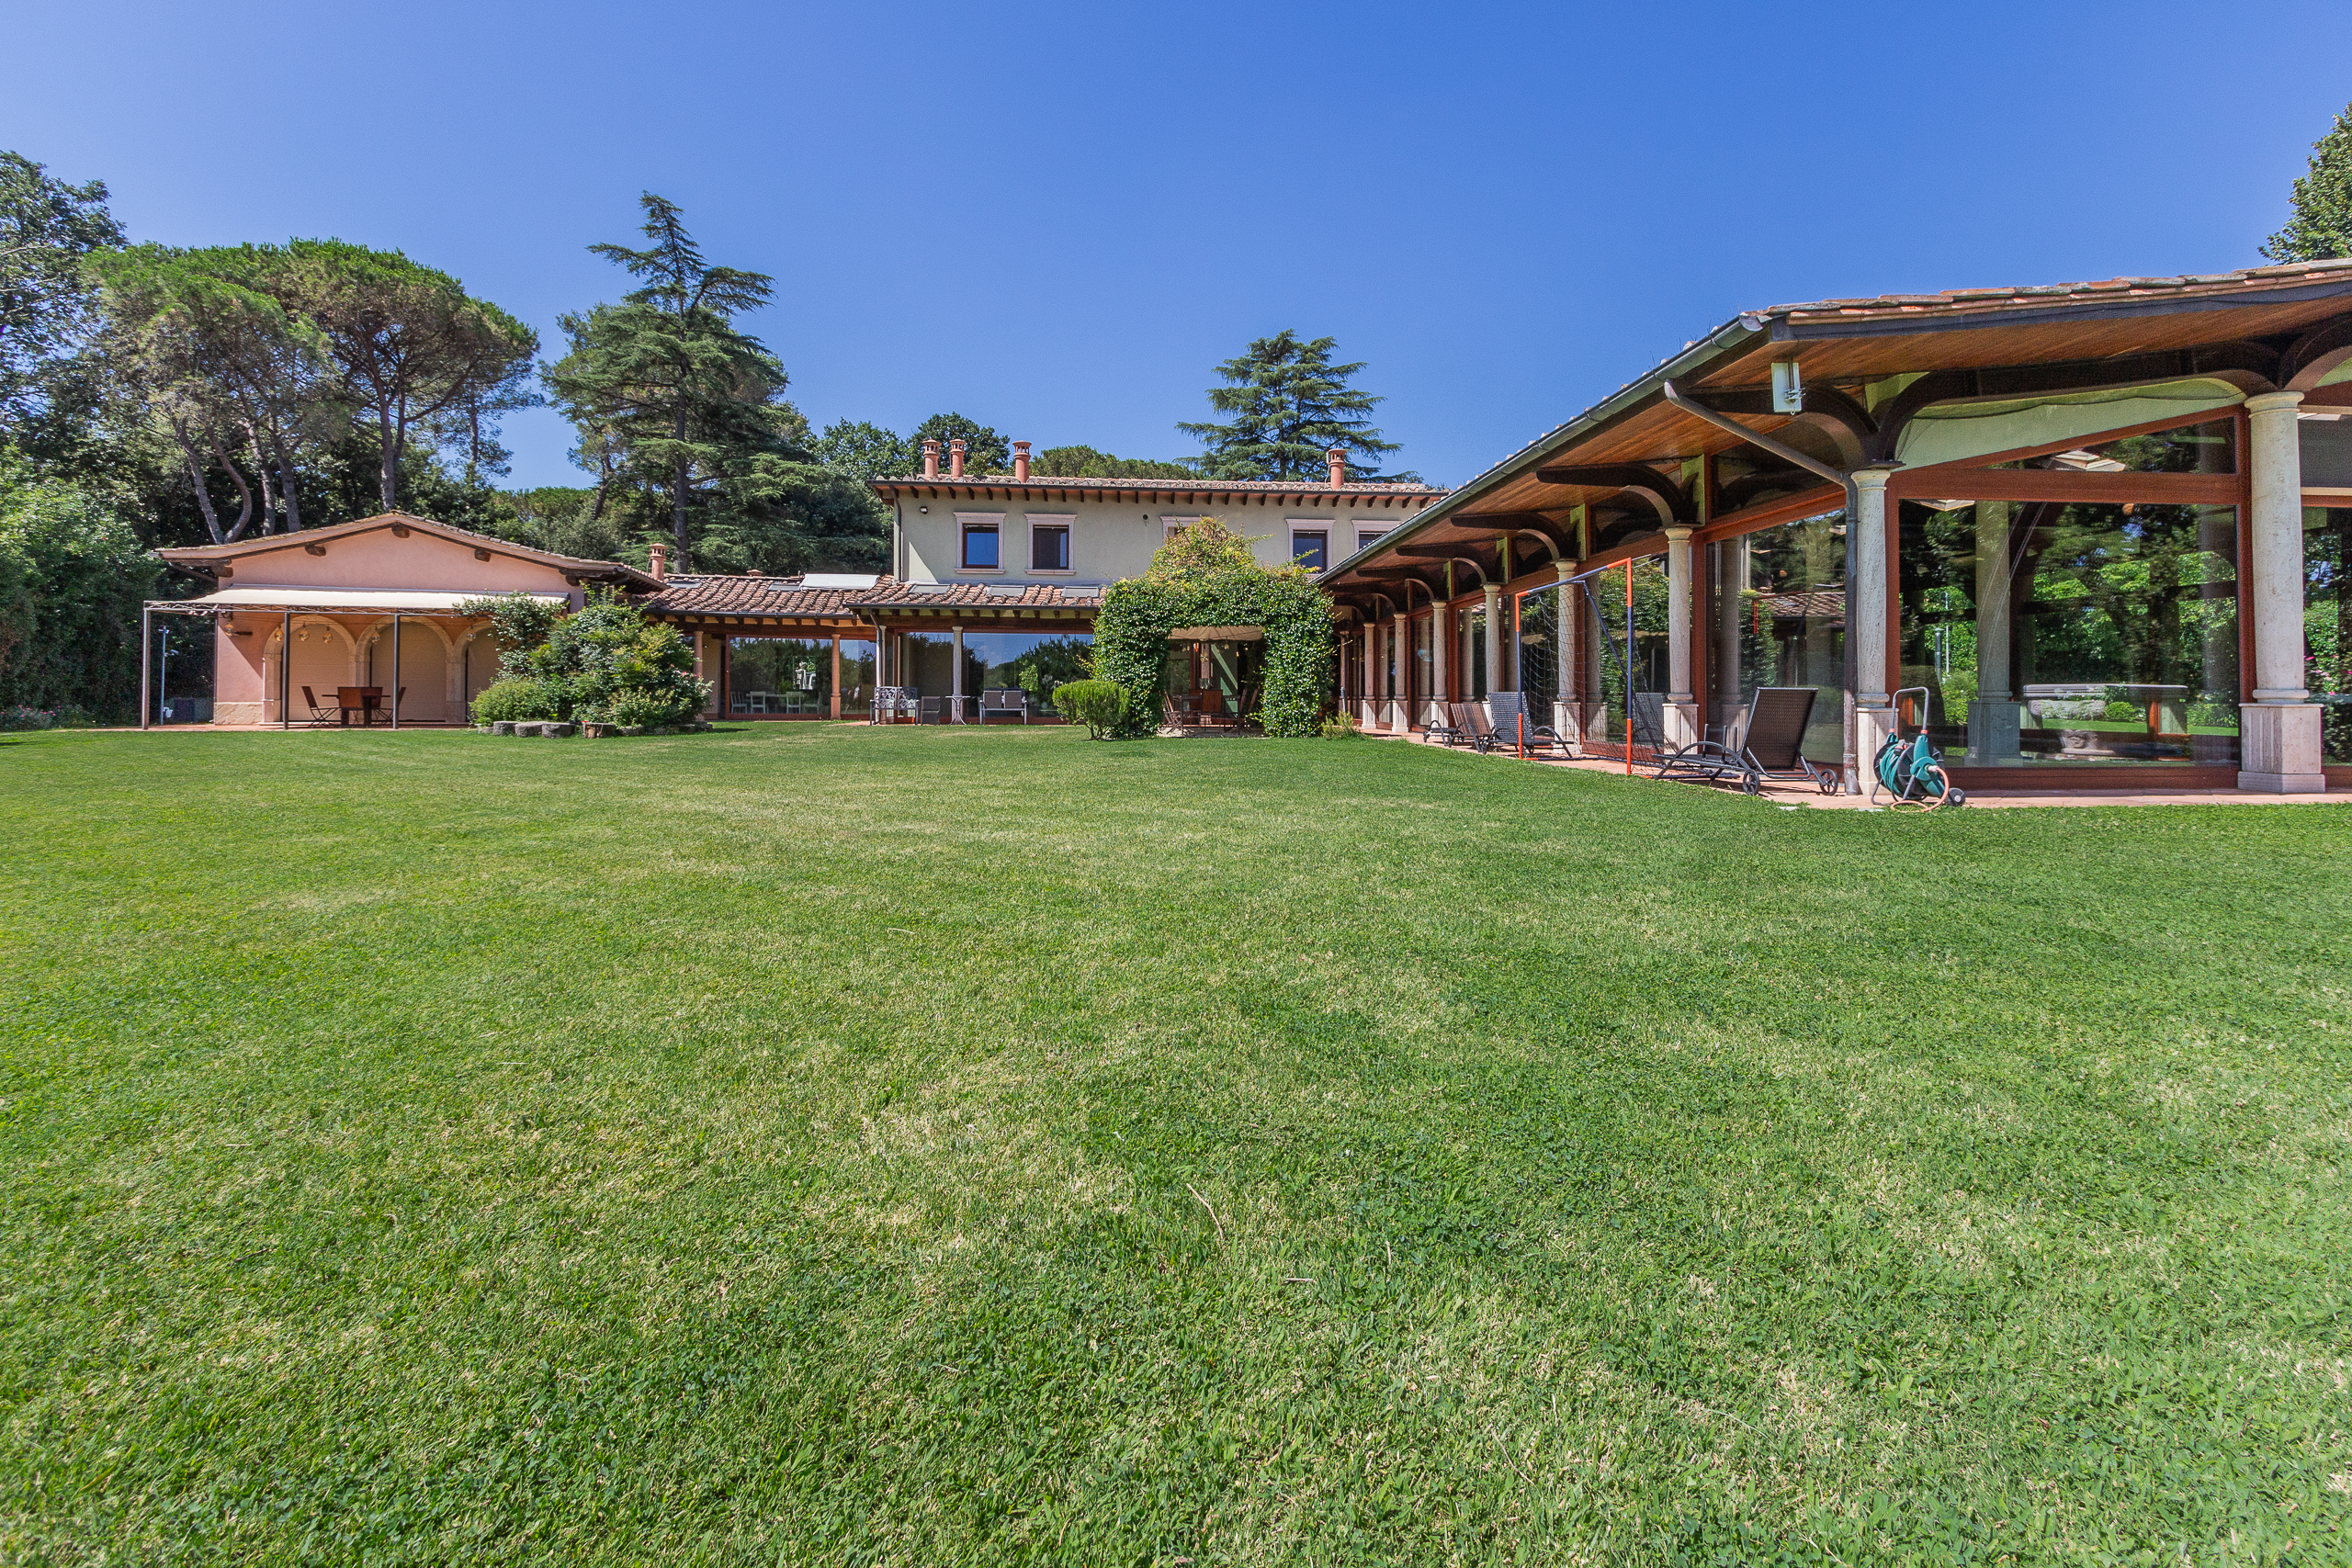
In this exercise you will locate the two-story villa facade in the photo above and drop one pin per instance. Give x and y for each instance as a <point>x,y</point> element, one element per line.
<point>992,575</point>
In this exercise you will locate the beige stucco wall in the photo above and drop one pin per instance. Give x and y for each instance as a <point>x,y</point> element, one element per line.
<point>1114,537</point>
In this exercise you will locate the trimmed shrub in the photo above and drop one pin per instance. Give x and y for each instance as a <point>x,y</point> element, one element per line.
<point>1098,705</point>
<point>521,697</point>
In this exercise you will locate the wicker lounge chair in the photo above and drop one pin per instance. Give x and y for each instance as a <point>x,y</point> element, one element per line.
<point>1441,725</point>
<point>1470,719</point>
<point>1772,745</point>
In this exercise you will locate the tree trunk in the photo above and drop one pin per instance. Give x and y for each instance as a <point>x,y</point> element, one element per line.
<point>245,491</point>
<point>286,484</point>
<point>678,496</point>
<point>196,476</point>
<point>270,521</point>
<point>389,438</point>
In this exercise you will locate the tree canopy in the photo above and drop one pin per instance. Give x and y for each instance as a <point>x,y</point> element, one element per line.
<point>985,451</point>
<point>48,304</point>
<point>1087,463</point>
<point>2320,222</point>
<point>1291,405</point>
<point>674,402</point>
<point>866,451</point>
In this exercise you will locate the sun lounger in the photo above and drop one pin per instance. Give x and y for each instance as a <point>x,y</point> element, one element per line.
<point>1772,745</point>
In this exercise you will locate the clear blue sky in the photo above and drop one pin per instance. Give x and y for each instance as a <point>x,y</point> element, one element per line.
<point>1055,218</point>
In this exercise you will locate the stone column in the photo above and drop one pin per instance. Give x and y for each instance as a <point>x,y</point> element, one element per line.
<point>956,678</point>
<point>1494,640</point>
<point>1370,693</point>
<point>2278,731</point>
<point>1441,667</point>
<point>1866,620</point>
<point>1681,714</point>
<point>1731,580</point>
<point>1567,711</point>
<point>1401,672</point>
<point>1994,713</point>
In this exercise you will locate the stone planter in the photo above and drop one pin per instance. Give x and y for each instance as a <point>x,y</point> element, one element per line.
<point>632,729</point>
<point>557,730</point>
<point>600,731</point>
<point>529,726</point>
<point>503,727</point>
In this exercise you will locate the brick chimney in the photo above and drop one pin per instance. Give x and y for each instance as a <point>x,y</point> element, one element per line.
<point>955,459</point>
<point>658,562</point>
<point>1021,461</point>
<point>931,457</point>
<point>1338,458</point>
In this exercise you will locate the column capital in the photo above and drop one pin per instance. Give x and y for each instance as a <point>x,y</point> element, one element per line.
<point>1565,569</point>
<point>2271,402</point>
<point>1871,479</point>
<point>1679,533</point>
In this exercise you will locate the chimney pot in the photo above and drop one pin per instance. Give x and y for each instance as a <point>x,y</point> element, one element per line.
<point>931,457</point>
<point>1020,461</point>
<point>1338,458</point>
<point>755,571</point>
<point>955,459</point>
<point>657,563</point>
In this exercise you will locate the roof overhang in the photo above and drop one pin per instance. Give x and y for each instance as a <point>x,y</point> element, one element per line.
<point>1992,342</point>
<point>333,600</point>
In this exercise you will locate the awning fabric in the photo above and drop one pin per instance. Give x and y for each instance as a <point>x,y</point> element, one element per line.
<point>405,601</point>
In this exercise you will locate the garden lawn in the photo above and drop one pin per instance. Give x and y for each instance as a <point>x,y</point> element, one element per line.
<point>812,1145</point>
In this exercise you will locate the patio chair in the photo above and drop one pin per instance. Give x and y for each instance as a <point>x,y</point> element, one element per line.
<point>1772,745</point>
<point>1004,700</point>
<point>1508,708</point>
<point>1476,730</point>
<point>1441,725</point>
<point>322,714</point>
<point>931,710</point>
<point>893,703</point>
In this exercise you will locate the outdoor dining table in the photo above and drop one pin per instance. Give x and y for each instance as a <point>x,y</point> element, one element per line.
<point>365,701</point>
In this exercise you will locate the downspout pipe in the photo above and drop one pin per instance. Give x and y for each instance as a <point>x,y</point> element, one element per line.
<point>1853,515</point>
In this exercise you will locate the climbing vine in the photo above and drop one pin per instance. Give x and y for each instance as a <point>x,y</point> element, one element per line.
<point>1205,576</point>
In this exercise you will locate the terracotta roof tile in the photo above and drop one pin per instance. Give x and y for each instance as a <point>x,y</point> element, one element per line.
<point>990,595</point>
<point>752,596</point>
<point>1961,300</point>
<point>1237,487</point>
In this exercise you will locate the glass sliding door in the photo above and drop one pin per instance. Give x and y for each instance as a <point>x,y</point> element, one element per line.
<point>2327,626</point>
<point>776,677</point>
<point>1777,618</point>
<point>2073,633</point>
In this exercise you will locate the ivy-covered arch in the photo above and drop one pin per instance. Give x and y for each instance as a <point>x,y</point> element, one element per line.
<point>1206,575</point>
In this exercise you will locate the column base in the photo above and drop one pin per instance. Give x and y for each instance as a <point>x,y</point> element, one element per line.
<point>1871,726</point>
<point>1680,723</point>
<point>2280,745</point>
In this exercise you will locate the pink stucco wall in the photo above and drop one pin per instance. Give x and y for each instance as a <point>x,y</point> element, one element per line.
<point>445,659</point>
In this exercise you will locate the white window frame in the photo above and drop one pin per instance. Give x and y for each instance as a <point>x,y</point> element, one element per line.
<point>1298,525</point>
<point>965,523</point>
<point>1366,536</point>
<point>1169,527</point>
<point>1068,523</point>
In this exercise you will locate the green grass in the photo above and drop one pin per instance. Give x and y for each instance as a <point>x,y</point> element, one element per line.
<point>806,1145</point>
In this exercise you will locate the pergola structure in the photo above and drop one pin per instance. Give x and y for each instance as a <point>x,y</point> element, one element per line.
<point>2017,413</point>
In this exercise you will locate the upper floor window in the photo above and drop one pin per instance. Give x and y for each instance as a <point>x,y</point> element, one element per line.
<point>1049,546</point>
<point>979,547</point>
<point>1311,547</point>
<point>1366,536</point>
